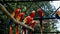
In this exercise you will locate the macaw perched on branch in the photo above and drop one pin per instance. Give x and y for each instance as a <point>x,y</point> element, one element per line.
<point>14,14</point>
<point>40,14</point>
<point>28,20</point>
<point>58,14</point>
<point>20,18</point>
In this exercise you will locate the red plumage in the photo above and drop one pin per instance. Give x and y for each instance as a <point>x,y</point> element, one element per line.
<point>17,30</point>
<point>28,20</point>
<point>40,12</point>
<point>32,24</point>
<point>16,11</point>
<point>32,14</point>
<point>15,15</point>
<point>21,15</point>
<point>10,30</point>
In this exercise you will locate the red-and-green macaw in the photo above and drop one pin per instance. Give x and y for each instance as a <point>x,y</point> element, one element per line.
<point>40,14</point>
<point>28,20</point>
<point>20,17</point>
<point>14,14</point>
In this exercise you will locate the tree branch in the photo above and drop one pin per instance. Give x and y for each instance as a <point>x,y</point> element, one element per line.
<point>15,21</point>
<point>55,11</point>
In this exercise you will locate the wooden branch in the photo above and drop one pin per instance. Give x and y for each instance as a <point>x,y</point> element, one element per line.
<point>15,21</point>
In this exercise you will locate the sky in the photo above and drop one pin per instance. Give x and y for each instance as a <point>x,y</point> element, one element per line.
<point>56,4</point>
